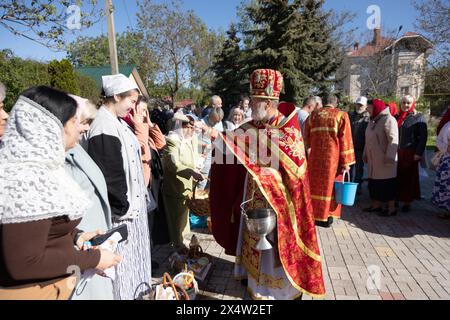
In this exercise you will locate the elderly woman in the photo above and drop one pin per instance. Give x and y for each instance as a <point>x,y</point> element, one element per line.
<point>235,119</point>
<point>98,216</point>
<point>413,139</point>
<point>116,150</point>
<point>40,204</point>
<point>180,163</point>
<point>3,114</point>
<point>381,156</point>
<point>441,190</point>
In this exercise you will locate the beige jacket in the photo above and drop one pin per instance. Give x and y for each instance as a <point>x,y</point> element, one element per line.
<point>381,146</point>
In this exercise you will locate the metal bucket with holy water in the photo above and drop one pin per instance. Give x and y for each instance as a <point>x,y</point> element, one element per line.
<point>260,223</point>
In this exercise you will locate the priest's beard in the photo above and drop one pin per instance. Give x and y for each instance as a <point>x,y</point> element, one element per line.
<point>259,114</point>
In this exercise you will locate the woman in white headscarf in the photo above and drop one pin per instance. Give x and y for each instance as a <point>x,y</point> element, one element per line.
<point>89,177</point>
<point>116,150</point>
<point>180,162</point>
<point>40,205</point>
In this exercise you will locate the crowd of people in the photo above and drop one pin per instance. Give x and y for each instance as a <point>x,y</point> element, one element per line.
<point>70,170</point>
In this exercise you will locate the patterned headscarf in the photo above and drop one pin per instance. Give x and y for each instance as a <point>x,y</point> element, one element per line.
<point>404,114</point>
<point>33,183</point>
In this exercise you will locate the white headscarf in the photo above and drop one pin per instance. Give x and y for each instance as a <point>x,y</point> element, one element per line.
<point>117,83</point>
<point>33,183</point>
<point>180,118</point>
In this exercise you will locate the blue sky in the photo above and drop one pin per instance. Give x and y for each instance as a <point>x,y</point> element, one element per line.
<point>216,14</point>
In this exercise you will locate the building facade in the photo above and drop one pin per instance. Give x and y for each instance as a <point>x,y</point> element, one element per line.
<point>385,66</point>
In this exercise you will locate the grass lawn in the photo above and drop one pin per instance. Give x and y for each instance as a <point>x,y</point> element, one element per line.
<point>431,141</point>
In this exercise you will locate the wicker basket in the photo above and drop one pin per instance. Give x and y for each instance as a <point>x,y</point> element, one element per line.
<point>180,292</point>
<point>192,293</point>
<point>198,202</point>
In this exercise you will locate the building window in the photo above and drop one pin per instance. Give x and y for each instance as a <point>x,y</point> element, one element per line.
<point>404,91</point>
<point>406,69</point>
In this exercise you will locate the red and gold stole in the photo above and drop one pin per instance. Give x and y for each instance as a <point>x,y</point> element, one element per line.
<point>285,186</point>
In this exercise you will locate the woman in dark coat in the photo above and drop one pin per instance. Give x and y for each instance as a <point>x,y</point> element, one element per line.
<point>412,141</point>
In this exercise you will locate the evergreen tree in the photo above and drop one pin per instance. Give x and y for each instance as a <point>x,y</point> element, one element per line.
<point>295,38</point>
<point>229,81</point>
<point>63,76</point>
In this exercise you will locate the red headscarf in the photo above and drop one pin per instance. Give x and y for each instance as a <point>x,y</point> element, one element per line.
<point>127,119</point>
<point>393,108</point>
<point>378,106</point>
<point>444,120</point>
<point>404,114</point>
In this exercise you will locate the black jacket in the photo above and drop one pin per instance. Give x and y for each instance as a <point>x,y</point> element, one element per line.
<point>413,133</point>
<point>359,124</point>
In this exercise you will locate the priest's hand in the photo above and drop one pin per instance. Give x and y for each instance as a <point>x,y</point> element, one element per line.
<point>417,158</point>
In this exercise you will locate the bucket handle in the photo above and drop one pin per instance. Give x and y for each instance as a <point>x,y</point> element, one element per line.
<point>343,176</point>
<point>243,203</point>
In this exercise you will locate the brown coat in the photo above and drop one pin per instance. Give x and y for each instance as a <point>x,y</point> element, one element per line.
<point>381,146</point>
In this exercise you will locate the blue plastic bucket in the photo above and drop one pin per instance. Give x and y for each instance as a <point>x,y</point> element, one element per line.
<point>345,192</point>
<point>197,222</point>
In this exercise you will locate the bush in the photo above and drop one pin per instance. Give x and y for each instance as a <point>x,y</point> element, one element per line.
<point>18,74</point>
<point>88,88</point>
<point>63,77</point>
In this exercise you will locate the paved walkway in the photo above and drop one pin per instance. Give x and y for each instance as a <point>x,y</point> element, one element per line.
<point>409,252</point>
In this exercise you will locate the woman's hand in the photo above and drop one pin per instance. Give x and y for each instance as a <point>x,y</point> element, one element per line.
<point>140,113</point>
<point>107,259</point>
<point>86,236</point>
<point>417,158</point>
<point>345,168</point>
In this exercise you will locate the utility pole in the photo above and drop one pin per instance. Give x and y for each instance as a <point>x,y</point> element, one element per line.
<point>112,38</point>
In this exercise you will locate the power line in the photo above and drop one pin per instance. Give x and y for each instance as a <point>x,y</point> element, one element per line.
<point>128,16</point>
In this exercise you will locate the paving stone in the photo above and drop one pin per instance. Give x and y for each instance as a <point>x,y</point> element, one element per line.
<point>412,252</point>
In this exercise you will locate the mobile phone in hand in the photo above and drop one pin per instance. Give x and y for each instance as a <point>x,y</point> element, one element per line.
<point>122,229</point>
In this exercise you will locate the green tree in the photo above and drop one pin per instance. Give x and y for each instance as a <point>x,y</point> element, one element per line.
<point>131,49</point>
<point>19,74</point>
<point>173,36</point>
<point>229,80</point>
<point>63,77</point>
<point>294,37</point>
<point>88,88</point>
<point>437,89</point>
<point>46,21</point>
<point>205,47</point>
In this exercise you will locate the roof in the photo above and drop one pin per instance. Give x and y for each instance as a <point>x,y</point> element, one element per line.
<point>96,73</point>
<point>370,49</point>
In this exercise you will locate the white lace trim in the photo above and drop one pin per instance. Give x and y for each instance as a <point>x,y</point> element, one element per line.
<point>33,183</point>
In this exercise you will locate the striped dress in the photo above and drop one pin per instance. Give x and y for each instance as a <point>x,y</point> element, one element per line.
<point>128,198</point>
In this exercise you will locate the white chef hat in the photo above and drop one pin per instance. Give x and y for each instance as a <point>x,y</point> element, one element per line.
<point>116,84</point>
